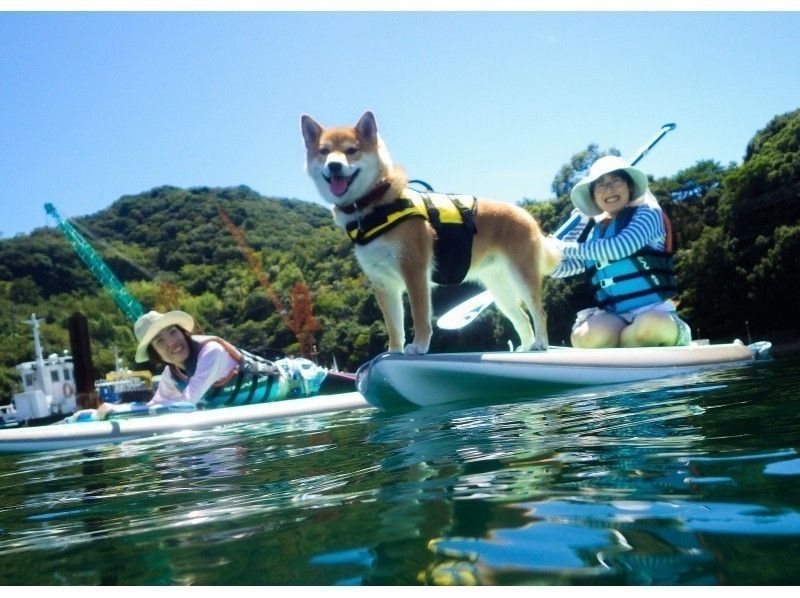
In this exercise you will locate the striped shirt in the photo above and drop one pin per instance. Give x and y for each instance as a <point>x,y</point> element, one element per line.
<point>646,228</point>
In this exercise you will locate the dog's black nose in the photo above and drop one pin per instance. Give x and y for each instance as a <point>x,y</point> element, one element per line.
<point>334,167</point>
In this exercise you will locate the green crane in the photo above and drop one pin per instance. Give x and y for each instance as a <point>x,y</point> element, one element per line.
<point>122,297</point>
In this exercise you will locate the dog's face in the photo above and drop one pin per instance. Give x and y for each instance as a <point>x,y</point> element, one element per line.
<point>344,162</point>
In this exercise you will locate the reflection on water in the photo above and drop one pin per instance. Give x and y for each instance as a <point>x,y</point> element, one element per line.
<point>687,481</point>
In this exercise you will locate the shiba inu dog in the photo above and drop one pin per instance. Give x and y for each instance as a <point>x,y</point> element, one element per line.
<point>398,242</point>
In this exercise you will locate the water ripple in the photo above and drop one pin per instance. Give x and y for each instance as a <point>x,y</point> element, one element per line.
<point>684,481</point>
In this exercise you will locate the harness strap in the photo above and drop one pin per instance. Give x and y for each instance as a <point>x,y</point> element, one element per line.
<point>643,261</point>
<point>253,385</point>
<point>467,214</point>
<point>634,300</point>
<point>454,228</point>
<point>252,368</point>
<point>632,285</point>
<point>362,202</point>
<point>381,219</point>
<point>239,380</point>
<point>452,246</point>
<point>647,276</point>
<point>271,381</point>
<point>431,209</point>
<point>668,239</point>
<point>586,231</point>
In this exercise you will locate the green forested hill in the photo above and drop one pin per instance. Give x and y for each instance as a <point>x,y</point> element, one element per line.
<point>177,236</point>
<point>738,264</point>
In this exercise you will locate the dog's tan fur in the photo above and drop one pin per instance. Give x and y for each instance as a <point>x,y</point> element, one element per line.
<point>509,254</point>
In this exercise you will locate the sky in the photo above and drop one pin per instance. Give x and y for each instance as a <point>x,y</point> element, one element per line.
<point>97,105</point>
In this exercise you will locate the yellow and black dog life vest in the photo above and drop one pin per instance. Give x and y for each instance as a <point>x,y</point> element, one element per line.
<point>451,216</point>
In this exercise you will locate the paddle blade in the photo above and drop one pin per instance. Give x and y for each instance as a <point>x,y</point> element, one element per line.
<point>464,313</point>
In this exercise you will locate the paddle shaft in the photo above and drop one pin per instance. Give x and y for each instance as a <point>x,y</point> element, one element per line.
<point>645,149</point>
<point>464,313</point>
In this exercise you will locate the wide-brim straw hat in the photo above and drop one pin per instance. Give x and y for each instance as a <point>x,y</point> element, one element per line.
<point>150,324</point>
<point>582,197</point>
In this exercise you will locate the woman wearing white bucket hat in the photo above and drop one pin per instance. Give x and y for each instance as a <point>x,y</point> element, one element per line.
<point>208,371</point>
<point>627,251</point>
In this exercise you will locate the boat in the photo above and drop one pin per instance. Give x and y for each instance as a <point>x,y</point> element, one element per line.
<point>8,416</point>
<point>124,385</point>
<point>393,380</point>
<point>95,433</point>
<point>48,386</point>
<point>127,388</point>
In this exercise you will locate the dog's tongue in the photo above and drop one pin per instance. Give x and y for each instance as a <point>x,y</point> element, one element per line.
<point>338,185</point>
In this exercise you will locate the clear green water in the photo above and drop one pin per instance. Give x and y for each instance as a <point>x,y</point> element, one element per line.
<point>691,481</point>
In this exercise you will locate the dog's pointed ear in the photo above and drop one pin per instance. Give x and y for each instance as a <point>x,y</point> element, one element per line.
<point>311,131</point>
<point>367,127</point>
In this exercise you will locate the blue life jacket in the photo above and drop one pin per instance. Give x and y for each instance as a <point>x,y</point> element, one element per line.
<point>640,279</point>
<point>451,216</point>
<point>256,380</point>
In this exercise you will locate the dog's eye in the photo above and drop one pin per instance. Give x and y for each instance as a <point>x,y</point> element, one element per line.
<point>324,151</point>
<point>351,150</point>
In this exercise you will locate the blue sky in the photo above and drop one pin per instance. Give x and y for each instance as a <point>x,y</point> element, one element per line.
<point>94,106</point>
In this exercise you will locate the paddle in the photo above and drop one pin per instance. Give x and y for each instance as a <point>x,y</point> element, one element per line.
<point>464,313</point>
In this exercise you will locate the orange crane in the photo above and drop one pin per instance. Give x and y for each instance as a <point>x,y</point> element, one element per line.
<point>301,321</point>
<point>304,324</point>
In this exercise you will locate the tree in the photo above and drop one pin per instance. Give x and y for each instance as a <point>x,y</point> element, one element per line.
<point>695,182</point>
<point>764,192</point>
<point>691,198</point>
<point>768,282</point>
<point>712,296</point>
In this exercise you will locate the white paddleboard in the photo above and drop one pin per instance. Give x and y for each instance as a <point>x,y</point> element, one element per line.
<point>60,436</point>
<point>393,379</point>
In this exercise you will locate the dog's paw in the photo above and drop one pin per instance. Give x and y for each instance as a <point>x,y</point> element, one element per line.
<point>415,349</point>
<point>535,346</point>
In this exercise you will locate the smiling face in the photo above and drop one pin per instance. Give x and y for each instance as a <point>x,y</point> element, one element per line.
<point>612,192</point>
<point>171,346</point>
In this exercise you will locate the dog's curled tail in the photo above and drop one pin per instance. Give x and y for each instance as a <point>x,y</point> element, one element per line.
<point>550,255</point>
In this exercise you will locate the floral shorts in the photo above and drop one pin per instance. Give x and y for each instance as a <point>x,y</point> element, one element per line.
<point>684,331</point>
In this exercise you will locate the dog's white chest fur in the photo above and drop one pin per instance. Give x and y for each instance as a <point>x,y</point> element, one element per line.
<point>380,261</point>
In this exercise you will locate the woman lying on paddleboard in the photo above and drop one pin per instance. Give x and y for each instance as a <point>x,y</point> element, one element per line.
<point>627,252</point>
<point>208,371</point>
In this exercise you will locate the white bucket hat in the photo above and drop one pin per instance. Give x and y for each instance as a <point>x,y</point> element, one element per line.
<point>150,324</point>
<point>582,198</point>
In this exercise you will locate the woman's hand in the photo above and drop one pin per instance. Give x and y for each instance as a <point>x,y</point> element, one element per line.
<point>104,410</point>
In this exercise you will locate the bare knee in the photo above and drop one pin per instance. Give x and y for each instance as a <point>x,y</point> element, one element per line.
<point>601,331</point>
<point>594,339</point>
<point>650,329</point>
